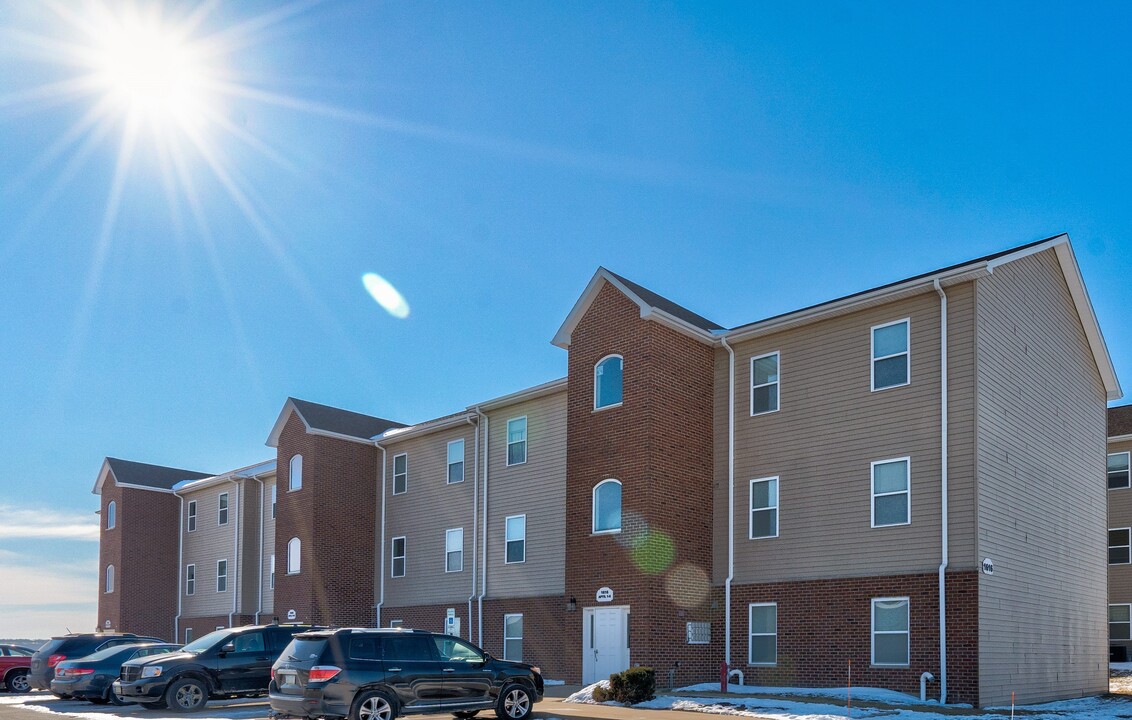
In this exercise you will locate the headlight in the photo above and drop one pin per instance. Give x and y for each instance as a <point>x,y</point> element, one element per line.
<point>151,671</point>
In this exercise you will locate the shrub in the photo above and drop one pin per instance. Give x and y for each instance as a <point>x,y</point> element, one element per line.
<point>631,686</point>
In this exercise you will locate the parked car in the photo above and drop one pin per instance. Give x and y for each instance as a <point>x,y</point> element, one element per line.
<point>69,647</point>
<point>382,674</point>
<point>222,664</point>
<point>90,678</point>
<point>15,663</point>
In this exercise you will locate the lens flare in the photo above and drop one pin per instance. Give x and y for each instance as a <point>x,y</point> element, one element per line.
<point>687,585</point>
<point>386,295</point>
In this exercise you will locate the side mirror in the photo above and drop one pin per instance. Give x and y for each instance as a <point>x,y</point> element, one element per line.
<point>228,647</point>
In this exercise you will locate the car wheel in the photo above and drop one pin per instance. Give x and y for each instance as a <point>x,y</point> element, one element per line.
<point>514,703</point>
<point>17,681</point>
<point>373,706</point>
<point>114,698</point>
<point>465,714</point>
<point>186,695</point>
<point>152,705</point>
<point>98,700</point>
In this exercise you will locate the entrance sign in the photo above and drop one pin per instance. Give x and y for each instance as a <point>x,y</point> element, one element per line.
<point>604,595</point>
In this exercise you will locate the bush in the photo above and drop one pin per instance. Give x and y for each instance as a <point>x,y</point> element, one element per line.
<point>631,687</point>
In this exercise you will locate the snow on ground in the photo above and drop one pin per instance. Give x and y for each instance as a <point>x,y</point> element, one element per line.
<point>553,682</point>
<point>240,709</point>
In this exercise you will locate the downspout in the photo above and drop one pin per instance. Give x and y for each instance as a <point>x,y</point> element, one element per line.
<point>943,491</point>
<point>475,519</point>
<point>235,550</point>
<point>730,498</point>
<point>381,581</point>
<point>180,569</point>
<point>483,549</point>
<point>259,580</point>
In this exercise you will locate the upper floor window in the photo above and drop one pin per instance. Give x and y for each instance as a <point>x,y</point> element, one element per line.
<point>764,384</point>
<point>397,553</point>
<point>221,576</point>
<point>274,495</point>
<point>295,481</point>
<point>515,538</point>
<point>1119,546</point>
<point>109,578</point>
<point>400,473</point>
<point>1120,622</point>
<point>454,550</point>
<point>764,508</point>
<point>191,521</point>
<point>891,635</point>
<point>190,579</point>
<point>891,494</point>
<point>890,355</point>
<point>607,382</point>
<point>456,461</point>
<point>607,507</point>
<point>517,441</point>
<point>1118,473</point>
<point>222,509</point>
<point>294,559</point>
<point>112,513</point>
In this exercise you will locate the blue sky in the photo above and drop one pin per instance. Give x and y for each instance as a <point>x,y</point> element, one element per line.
<point>485,159</point>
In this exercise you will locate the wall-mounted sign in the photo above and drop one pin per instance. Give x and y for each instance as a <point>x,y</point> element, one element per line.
<point>451,613</point>
<point>291,615</point>
<point>605,595</point>
<point>988,566</point>
<point>108,625</point>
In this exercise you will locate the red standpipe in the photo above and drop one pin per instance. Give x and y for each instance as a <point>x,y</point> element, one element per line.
<point>723,676</point>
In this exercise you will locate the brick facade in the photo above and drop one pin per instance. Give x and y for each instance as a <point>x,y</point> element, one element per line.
<point>543,621</point>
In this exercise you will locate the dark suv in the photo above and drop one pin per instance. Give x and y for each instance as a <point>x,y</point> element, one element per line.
<point>222,664</point>
<point>381,674</point>
<point>70,647</point>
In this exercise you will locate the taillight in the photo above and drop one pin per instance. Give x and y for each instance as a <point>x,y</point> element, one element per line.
<point>273,673</point>
<point>322,673</point>
<point>71,672</point>
<point>55,660</point>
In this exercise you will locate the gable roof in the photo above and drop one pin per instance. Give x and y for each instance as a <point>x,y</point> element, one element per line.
<point>143,475</point>
<point>1120,421</point>
<point>331,422</point>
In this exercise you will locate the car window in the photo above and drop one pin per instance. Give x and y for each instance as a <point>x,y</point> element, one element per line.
<point>365,648</point>
<point>251,642</point>
<point>22,652</point>
<point>451,649</point>
<point>403,648</point>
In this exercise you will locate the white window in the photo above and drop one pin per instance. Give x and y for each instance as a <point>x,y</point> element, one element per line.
<point>456,461</point>
<point>396,623</point>
<point>271,577</point>
<point>221,576</point>
<point>890,631</point>
<point>607,382</point>
<point>188,635</point>
<point>397,567</point>
<point>109,578</point>
<point>190,579</point>
<point>1120,622</point>
<point>294,556</point>
<point>191,522</point>
<point>295,479</point>
<point>698,632</point>
<point>112,514</point>
<point>764,508</point>
<point>222,509</point>
<point>890,355</point>
<point>892,502</point>
<point>517,441</point>
<point>1119,542</point>
<point>764,384</point>
<point>1118,472</point>
<point>454,550</point>
<point>762,648</point>
<point>273,499</point>
<point>513,637</point>
<point>607,507</point>
<point>400,473</point>
<point>515,537</point>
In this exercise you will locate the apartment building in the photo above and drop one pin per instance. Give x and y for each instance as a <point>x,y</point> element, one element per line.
<point>1119,533</point>
<point>904,481</point>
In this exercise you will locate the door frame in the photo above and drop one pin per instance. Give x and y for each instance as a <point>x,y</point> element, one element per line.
<point>588,668</point>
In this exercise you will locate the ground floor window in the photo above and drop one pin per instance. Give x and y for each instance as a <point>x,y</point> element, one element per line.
<point>1120,622</point>
<point>188,635</point>
<point>513,637</point>
<point>891,634</point>
<point>763,622</point>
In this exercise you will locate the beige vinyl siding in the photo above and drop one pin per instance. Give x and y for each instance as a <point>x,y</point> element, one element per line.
<point>268,548</point>
<point>423,514</point>
<point>829,427</point>
<point>1042,490</point>
<point>1119,516</point>
<point>205,546</point>
<point>537,489</point>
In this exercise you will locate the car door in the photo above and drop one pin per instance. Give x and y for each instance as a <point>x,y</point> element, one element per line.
<point>412,670</point>
<point>464,668</point>
<point>246,664</point>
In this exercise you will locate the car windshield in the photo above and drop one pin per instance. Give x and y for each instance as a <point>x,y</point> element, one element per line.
<point>113,650</point>
<point>215,637</point>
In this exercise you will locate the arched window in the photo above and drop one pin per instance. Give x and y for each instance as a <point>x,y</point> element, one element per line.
<point>607,382</point>
<point>111,515</point>
<point>294,548</point>
<point>109,578</point>
<point>296,473</point>
<point>607,507</point>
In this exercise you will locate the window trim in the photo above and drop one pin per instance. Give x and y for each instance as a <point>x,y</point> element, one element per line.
<point>506,616</point>
<point>448,461</point>
<point>751,634</point>
<point>751,502</point>
<point>507,542</point>
<point>295,550</point>
<point>509,443</point>
<point>393,556</point>
<point>223,505</point>
<point>873,358</point>
<point>111,515</point>
<point>777,383</point>
<point>191,516</point>
<point>598,364</point>
<point>222,575</point>
<point>274,499</point>
<point>1128,547</point>
<point>291,474</point>
<point>108,579</point>
<point>873,632</point>
<point>191,569</point>
<point>405,474</point>
<point>271,573</point>
<point>1128,622</point>
<point>593,508</point>
<point>447,552</point>
<point>1127,461</point>
<point>907,460</point>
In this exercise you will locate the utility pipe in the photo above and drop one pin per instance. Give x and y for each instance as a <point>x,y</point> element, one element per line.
<point>486,422</point>
<point>180,569</point>
<point>381,581</point>
<point>235,549</point>
<point>924,680</point>
<point>943,493</point>
<point>262,521</point>
<point>475,517</point>
<point>730,497</point>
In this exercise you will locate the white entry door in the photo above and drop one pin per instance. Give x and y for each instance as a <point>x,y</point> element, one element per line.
<point>605,642</point>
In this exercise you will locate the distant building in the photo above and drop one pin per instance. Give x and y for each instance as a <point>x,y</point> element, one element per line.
<point>1119,533</point>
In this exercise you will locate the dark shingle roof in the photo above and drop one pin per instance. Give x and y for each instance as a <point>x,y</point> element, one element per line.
<point>1120,421</point>
<point>342,422</point>
<point>663,303</point>
<point>155,476</point>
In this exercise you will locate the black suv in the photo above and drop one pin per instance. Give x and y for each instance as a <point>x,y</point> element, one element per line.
<point>71,647</point>
<point>381,674</point>
<point>222,664</point>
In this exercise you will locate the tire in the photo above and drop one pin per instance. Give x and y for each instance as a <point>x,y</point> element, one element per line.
<point>514,703</point>
<point>465,714</point>
<point>373,706</point>
<point>98,700</point>
<point>114,698</point>
<point>17,681</point>
<point>153,705</point>
<point>186,695</point>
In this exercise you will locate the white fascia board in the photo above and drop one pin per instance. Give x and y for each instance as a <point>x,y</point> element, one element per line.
<point>1119,438</point>
<point>142,487</point>
<point>562,337</point>
<point>1080,295</point>
<point>102,475</point>
<point>680,326</point>
<point>337,436</point>
<point>548,388</point>
<point>203,483</point>
<point>399,434</point>
<point>281,421</point>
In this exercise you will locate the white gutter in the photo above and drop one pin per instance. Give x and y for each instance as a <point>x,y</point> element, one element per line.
<point>730,497</point>
<point>259,580</point>
<point>180,569</point>
<point>943,491</point>
<point>381,582</point>
<point>483,549</point>
<point>475,519</point>
<point>235,550</point>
